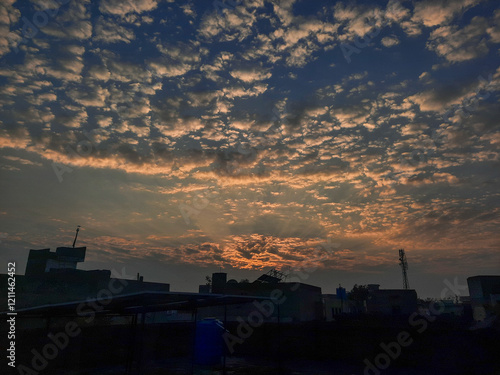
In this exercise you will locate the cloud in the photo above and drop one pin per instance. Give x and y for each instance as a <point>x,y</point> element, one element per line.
<point>188,10</point>
<point>172,115</point>
<point>163,67</point>
<point>231,92</point>
<point>494,30</point>
<point>443,97</point>
<point>390,41</point>
<point>299,56</point>
<point>109,31</point>
<point>90,96</point>
<point>22,161</point>
<point>438,12</point>
<point>351,116</point>
<point>180,126</point>
<point>284,11</point>
<point>73,23</point>
<point>357,21</point>
<point>177,59</point>
<point>124,7</point>
<point>458,45</point>
<point>396,12</point>
<point>73,119</point>
<point>251,75</point>
<point>14,138</point>
<point>425,76</point>
<point>230,23</point>
<point>9,15</point>
<point>67,64</point>
<point>425,179</point>
<point>99,72</point>
<point>122,71</point>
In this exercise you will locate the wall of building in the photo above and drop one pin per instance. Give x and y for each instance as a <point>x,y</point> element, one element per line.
<point>482,291</point>
<point>44,260</point>
<point>392,302</point>
<point>300,302</point>
<point>69,286</point>
<point>333,306</point>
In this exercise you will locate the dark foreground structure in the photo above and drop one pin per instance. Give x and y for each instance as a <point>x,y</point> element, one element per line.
<point>97,322</point>
<point>116,338</point>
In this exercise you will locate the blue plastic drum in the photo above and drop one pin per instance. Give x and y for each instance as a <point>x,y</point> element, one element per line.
<point>209,344</point>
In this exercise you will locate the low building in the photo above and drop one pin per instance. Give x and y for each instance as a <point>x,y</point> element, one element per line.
<point>298,302</point>
<point>334,305</point>
<point>451,307</point>
<point>392,301</point>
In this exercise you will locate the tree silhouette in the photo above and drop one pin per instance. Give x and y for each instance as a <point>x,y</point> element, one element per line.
<point>359,293</point>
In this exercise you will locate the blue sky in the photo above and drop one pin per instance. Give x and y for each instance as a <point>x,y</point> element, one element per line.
<point>185,137</point>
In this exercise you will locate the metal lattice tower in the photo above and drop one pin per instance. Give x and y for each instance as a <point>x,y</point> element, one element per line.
<point>404,266</point>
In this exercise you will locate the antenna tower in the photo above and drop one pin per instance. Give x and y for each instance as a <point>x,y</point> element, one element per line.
<point>404,266</point>
<point>76,235</point>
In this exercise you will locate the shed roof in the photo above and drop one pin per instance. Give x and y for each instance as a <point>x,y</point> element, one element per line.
<point>147,301</point>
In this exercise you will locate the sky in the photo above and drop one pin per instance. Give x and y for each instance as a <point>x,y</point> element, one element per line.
<point>317,137</point>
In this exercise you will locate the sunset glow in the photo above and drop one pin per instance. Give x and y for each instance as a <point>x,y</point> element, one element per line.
<point>185,137</point>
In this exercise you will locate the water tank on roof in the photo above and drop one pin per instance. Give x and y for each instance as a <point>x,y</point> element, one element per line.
<point>219,280</point>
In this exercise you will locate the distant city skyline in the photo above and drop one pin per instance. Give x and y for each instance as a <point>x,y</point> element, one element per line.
<point>188,138</point>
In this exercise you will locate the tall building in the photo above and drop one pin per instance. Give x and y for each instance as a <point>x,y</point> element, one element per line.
<point>64,258</point>
<point>219,280</point>
<point>484,294</point>
<point>52,277</point>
